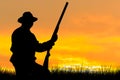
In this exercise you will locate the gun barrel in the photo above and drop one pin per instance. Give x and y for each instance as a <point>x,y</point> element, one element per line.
<point>60,19</point>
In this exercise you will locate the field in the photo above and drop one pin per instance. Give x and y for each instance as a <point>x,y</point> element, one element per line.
<point>57,74</point>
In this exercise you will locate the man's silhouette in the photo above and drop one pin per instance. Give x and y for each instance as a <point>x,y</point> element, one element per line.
<point>24,45</point>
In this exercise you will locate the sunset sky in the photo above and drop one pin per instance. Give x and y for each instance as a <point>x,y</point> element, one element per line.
<point>89,33</point>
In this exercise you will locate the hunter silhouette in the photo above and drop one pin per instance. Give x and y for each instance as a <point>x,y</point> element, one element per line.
<point>24,45</point>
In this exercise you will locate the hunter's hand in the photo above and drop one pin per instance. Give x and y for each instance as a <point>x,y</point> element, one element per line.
<point>54,38</point>
<point>51,42</point>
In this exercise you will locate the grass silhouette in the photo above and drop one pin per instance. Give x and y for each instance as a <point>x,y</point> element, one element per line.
<point>6,74</point>
<point>58,74</point>
<point>71,75</point>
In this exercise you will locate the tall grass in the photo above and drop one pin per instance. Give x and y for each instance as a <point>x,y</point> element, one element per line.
<point>6,74</point>
<point>86,75</point>
<point>62,74</point>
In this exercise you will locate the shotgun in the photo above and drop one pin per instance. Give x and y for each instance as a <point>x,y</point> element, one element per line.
<point>59,21</point>
<point>55,32</point>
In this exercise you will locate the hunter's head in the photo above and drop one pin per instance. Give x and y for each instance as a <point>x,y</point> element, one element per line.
<point>27,19</point>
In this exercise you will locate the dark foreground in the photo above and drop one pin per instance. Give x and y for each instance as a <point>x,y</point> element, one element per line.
<point>69,75</point>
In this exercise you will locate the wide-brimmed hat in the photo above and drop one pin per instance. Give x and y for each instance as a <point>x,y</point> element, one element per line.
<point>27,17</point>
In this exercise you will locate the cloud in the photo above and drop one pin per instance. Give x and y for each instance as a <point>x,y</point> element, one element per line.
<point>94,24</point>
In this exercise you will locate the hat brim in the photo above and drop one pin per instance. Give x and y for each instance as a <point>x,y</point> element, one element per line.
<point>23,19</point>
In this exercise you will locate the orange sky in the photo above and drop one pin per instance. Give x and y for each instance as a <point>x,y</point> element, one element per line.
<point>89,32</point>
